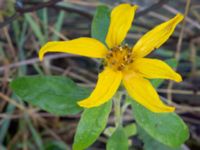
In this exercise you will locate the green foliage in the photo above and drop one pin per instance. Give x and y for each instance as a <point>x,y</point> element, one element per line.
<point>150,143</point>
<point>100,23</point>
<point>58,25</point>
<point>130,129</point>
<point>167,128</point>
<point>6,122</point>
<point>55,145</point>
<point>164,52</point>
<point>109,131</point>
<point>118,140</point>
<point>57,95</point>
<point>7,8</point>
<point>35,135</point>
<point>36,29</point>
<point>92,123</point>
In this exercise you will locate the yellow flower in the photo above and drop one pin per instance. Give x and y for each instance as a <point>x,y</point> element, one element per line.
<point>122,63</point>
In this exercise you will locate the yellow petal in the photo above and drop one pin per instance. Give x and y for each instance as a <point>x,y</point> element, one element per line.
<point>82,46</point>
<point>154,68</point>
<point>121,20</point>
<point>142,91</point>
<point>107,85</point>
<point>155,37</point>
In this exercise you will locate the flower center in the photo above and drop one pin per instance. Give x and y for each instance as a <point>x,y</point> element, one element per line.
<point>118,58</point>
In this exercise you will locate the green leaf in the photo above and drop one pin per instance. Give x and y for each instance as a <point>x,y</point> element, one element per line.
<point>6,122</point>
<point>109,131</point>
<point>167,128</point>
<point>92,123</point>
<point>164,52</point>
<point>35,134</point>
<point>57,95</point>
<point>55,145</point>
<point>58,25</point>
<point>100,23</point>
<point>172,63</point>
<point>130,129</point>
<point>150,143</point>
<point>118,140</point>
<point>36,28</point>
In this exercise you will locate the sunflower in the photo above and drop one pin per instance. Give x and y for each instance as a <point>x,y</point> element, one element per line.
<point>123,64</point>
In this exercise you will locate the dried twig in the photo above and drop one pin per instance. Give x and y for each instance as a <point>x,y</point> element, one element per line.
<point>178,48</point>
<point>21,11</point>
<point>34,60</point>
<point>151,8</point>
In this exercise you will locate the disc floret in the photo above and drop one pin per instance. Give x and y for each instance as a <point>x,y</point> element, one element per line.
<point>119,57</point>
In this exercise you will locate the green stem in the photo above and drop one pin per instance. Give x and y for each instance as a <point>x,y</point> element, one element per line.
<point>117,109</point>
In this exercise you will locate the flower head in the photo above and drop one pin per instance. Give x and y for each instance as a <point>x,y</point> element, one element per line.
<point>124,64</point>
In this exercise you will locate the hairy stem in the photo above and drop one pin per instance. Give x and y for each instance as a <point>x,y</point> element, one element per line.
<point>117,110</point>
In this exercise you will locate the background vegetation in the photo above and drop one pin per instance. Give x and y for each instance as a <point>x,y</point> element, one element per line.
<point>25,25</point>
